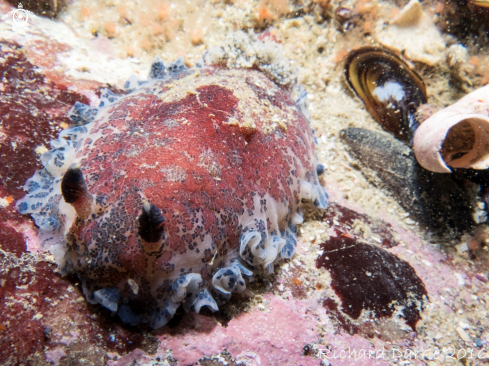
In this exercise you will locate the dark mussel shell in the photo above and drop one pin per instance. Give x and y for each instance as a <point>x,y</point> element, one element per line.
<point>437,201</point>
<point>391,91</point>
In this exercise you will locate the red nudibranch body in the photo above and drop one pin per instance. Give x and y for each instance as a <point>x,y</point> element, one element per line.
<point>176,192</point>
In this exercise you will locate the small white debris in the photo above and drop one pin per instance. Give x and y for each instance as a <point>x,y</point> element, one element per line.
<point>330,146</point>
<point>50,258</point>
<point>461,248</point>
<point>426,262</point>
<point>40,150</point>
<point>463,325</point>
<point>460,279</point>
<point>4,202</point>
<point>463,334</point>
<point>38,316</point>
<point>133,285</point>
<point>376,238</point>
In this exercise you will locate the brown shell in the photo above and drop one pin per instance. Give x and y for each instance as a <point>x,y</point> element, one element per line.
<point>480,3</point>
<point>390,89</point>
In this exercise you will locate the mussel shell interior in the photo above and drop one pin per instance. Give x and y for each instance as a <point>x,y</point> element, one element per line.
<point>390,90</point>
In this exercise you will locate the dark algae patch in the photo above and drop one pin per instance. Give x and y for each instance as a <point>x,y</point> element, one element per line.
<point>369,278</point>
<point>346,219</point>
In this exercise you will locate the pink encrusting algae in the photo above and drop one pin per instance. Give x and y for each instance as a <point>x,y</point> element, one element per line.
<point>176,192</point>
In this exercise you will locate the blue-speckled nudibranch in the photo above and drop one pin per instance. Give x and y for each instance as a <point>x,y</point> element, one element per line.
<point>179,191</point>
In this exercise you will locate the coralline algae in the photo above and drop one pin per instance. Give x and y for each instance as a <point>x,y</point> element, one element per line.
<point>178,191</point>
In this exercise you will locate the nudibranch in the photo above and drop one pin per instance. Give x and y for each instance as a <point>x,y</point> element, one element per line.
<point>179,191</point>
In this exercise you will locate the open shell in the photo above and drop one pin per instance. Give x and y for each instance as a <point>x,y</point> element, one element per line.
<point>389,88</point>
<point>457,136</point>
